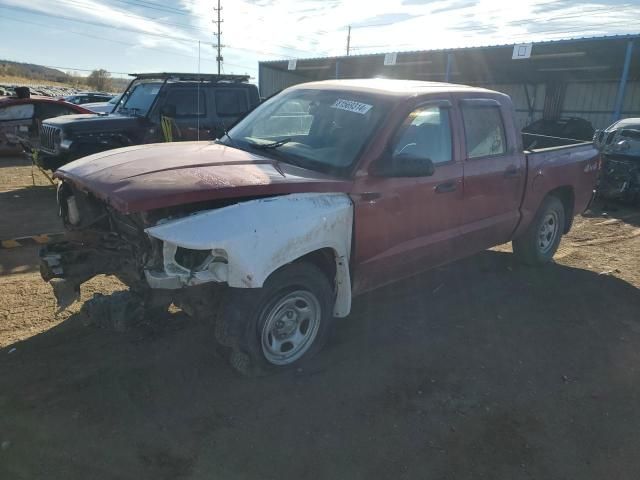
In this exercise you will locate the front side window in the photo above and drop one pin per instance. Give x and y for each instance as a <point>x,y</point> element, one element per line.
<point>139,98</point>
<point>426,133</point>
<point>188,102</point>
<point>484,130</point>
<point>323,130</point>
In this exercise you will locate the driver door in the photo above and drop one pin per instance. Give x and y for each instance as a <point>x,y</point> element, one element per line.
<point>404,225</point>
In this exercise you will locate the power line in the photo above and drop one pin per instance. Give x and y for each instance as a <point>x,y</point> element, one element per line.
<point>181,25</point>
<point>102,25</point>
<point>139,17</point>
<point>141,32</point>
<point>164,51</point>
<point>154,6</point>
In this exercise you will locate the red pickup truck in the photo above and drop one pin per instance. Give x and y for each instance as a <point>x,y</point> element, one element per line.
<point>325,191</point>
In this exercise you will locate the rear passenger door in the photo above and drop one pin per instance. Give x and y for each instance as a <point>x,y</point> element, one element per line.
<point>187,107</point>
<point>231,104</point>
<point>493,173</point>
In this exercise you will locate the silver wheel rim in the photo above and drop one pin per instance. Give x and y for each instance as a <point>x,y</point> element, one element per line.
<point>290,327</point>
<point>548,232</point>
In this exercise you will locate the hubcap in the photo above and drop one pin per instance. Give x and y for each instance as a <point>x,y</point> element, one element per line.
<point>548,232</point>
<point>290,327</point>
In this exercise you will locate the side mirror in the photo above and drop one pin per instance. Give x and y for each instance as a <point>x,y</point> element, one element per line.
<point>404,165</point>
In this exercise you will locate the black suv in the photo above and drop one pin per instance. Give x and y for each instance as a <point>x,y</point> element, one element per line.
<point>155,107</point>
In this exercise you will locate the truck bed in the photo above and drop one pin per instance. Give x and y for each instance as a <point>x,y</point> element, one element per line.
<point>568,169</point>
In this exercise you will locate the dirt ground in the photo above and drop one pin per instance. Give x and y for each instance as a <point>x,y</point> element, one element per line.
<point>482,369</point>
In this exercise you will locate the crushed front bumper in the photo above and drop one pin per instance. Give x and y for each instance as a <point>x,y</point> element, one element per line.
<point>69,263</point>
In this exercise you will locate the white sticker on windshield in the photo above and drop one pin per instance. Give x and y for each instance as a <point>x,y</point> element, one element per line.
<point>352,106</point>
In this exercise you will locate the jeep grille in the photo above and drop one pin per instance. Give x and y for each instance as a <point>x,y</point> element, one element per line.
<point>49,138</point>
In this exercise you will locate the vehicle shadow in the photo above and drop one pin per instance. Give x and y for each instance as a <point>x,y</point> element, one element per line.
<point>481,368</point>
<point>29,211</point>
<point>13,158</point>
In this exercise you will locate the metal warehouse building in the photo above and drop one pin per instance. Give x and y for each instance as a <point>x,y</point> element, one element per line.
<point>594,78</point>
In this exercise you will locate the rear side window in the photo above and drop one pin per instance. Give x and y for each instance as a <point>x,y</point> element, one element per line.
<point>230,102</point>
<point>49,110</point>
<point>426,133</point>
<point>484,130</point>
<point>16,112</point>
<point>188,102</point>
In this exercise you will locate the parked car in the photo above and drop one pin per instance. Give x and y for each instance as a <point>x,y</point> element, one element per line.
<point>620,146</point>
<point>20,120</point>
<point>325,191</point>
<point>103,107</point>
<point>155,107</point>
<point>550,133</point>
<point>88,97</point>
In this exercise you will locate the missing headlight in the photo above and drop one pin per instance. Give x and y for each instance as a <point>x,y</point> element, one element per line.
<point>191,259</point>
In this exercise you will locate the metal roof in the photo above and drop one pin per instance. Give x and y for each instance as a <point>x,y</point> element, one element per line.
<point>583,59</point>
<point>630,36</point>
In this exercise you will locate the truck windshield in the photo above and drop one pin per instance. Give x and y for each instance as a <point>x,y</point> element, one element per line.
<point>318,129</point>
<point>138,100</point>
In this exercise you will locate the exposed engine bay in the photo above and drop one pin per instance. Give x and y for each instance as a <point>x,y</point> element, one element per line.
<point>238,243</point>
<point>620,147</point>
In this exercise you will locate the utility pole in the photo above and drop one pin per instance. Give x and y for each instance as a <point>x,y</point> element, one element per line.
<point>218,35</point>
<point>348,40</point>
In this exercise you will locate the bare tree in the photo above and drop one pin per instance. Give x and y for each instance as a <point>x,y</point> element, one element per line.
<point>100,80</point>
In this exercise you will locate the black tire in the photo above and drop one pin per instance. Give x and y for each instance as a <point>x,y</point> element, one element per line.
<point>242,319</point>
<point>537,245</point>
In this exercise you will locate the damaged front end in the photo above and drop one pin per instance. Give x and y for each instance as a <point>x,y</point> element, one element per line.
<point>620,147</point>
<point>99,240</point>
<point>165,255</point>
<point>620,179</point>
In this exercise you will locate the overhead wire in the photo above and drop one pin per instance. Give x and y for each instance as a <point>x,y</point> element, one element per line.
<point>164,51</point>
<point>189,27</point>
<point>143,32</point>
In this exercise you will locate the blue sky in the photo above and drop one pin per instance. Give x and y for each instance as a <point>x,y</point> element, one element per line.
<point>159,35</point>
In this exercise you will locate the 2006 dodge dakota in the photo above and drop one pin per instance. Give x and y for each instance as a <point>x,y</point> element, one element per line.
<point>325,191</point>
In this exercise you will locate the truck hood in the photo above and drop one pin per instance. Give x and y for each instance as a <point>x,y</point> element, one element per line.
<point>94,123</point>
<point>148,177</point>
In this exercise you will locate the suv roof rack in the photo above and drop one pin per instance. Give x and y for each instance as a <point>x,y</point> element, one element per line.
<point>211,77</point>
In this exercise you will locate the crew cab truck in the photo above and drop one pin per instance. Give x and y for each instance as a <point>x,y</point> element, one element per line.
<point>325,191</point>
<point>155,107</point>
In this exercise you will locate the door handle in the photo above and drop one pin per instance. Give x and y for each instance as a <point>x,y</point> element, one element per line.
<point>370,196</point>
<point>512,172</point>
<point>446,187</point>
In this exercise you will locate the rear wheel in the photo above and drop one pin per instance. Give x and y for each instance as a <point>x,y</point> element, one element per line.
<point>279,325</point>
<point>540,242</point>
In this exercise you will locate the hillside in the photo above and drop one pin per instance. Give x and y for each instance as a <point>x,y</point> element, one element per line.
<point>33,72</point>
<point>29,74</point>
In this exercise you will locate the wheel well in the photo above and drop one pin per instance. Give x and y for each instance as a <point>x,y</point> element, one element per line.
<point>566,196</point>
<point>324,259</point>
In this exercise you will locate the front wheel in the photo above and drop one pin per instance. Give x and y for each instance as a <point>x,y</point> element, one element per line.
<point>540,242</point>
<point>281,324</point>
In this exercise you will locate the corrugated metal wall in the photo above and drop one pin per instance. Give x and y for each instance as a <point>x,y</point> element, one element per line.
<point>272,80</point>
<point>595,101</point>
<point>519,98</point>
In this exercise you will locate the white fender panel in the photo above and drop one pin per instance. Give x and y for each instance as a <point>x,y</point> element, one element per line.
<point>257,237</point>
